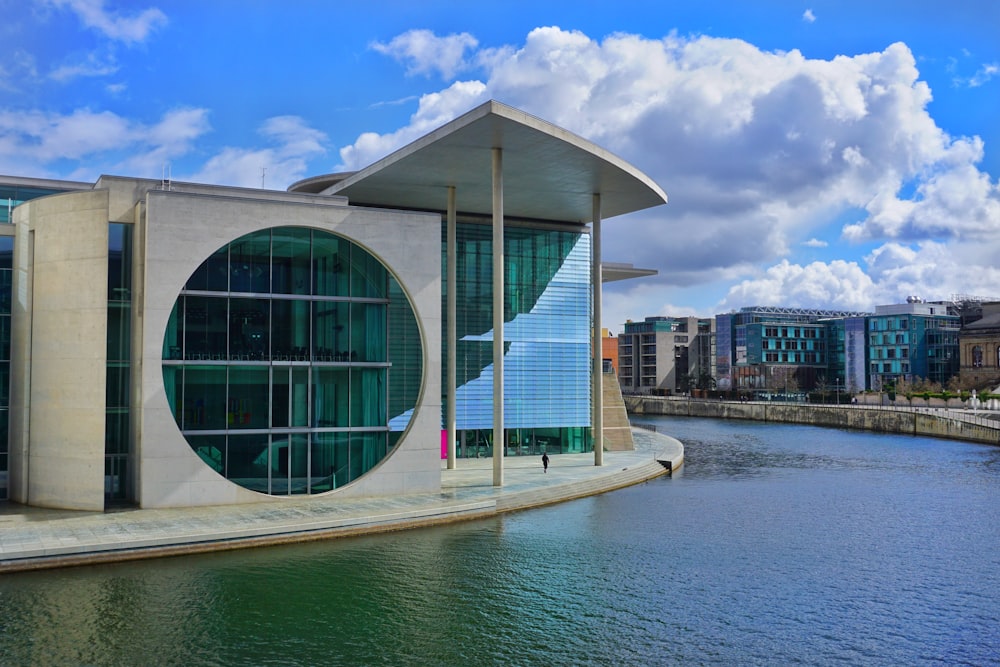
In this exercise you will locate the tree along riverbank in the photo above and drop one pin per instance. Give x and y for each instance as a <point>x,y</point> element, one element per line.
<point>938,423</point>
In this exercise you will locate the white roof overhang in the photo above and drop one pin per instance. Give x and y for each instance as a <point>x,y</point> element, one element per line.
<point>549,174</point>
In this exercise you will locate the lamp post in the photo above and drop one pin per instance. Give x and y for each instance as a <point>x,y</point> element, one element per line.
<point>836,383</point>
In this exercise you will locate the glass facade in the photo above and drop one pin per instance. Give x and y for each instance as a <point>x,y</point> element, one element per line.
<point>292,361</point>
<point>119,364</point>
<point>912,346</point>
<point>11,196</point>
<point>6,281</point>
<point>547,362</point>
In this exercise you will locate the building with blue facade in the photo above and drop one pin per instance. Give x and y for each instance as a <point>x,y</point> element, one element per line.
<point>763,348</point>
<point>772,348</point>
<point>910,341</point>
<point>178,344</point>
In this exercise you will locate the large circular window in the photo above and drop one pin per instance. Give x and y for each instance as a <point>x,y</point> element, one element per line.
<point>292,361</point>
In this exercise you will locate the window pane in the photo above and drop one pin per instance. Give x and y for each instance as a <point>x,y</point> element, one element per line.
<point>246,461</point>
<point>330,259</point>
<point>248,397</point>
<point>249,329</point>
<point>250,263</point>
<point>330,333</point>
<point>368,332</point>
<point>204,397</point>
<point>368,276</point>
<point>119,331</point>
<point>324,461</point>
<point>280,397</point>
<point>213,274</point>
<point>298,476</point>
<point>367,449</point>
<point>279,465</point>
<point>331,392</point>
<point>173,382</point>
<point>119,261</point>
<point>211,449</point>
<point>173,341</point>
<point>300,396</point>
<point>290,331</point>
<point>368,385</point>
<point>205,327</point>
<point>290,261</point>
<point>117,384</point>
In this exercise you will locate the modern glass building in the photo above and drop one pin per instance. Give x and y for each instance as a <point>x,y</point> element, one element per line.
<point>342,337</point>
<point>547,340</point>
<point>765,347</point>
<point>848,353</point>
<point>910,341</point>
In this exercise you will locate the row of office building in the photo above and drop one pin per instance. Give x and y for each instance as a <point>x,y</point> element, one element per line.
<point>168,344</point>
<point>793,350</point>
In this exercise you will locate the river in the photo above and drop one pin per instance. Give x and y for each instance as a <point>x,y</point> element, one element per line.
<point>775,544</point>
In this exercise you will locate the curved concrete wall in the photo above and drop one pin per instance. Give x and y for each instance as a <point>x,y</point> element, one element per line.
<point>58,351</point>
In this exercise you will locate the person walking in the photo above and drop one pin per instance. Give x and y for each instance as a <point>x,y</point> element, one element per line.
<point>545,462</point>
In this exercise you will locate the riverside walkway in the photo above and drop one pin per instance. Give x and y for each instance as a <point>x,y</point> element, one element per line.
<point>34,538</point>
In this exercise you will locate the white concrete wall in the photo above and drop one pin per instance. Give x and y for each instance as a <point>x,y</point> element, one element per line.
<point>180,230</point>
<point>59,344</point>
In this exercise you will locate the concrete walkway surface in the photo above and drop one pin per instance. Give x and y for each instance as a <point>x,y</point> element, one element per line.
<point>34,538</point>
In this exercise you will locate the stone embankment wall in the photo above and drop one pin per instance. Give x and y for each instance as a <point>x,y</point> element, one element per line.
<point>909,422</point>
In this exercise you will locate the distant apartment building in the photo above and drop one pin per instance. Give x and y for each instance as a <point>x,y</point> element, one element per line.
<point>911,341</point>
<point>666,355</point>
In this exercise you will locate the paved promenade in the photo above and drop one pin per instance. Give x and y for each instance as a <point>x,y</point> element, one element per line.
<point>33,538</point>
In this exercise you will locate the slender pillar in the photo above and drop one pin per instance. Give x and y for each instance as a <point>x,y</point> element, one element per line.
<point>452,336</point>
<point>598,384</point>
<point>498,262</point>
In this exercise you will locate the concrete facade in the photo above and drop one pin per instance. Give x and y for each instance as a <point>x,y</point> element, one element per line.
<point>173,246</point>
<point>58,341</point>
<point>60,334</point>
<point>665,354</point>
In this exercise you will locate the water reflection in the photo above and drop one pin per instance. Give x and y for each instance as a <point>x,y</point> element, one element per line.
<point>778,544</point>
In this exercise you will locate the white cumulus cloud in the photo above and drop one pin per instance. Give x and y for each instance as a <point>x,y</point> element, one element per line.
<point>31,141</point>
<point>759,151</point>
<point>294,143</point>
<point>423,52</point>
<point>131,29</point>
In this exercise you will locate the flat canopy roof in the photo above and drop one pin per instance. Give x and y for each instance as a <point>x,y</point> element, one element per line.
<point>615,271</point>
<point>548,173</point>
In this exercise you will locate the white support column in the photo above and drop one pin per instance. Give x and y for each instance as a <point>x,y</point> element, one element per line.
<point>498,266</point>
<point>452,336</point>
<point>598,384</point>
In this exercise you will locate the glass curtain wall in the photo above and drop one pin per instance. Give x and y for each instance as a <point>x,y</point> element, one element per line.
<point>547,363</point>
<point>6,281</point>
<point>281,360</point>
<point>119,355</point>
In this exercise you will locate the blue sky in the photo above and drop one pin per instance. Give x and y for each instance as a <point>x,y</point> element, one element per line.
<point>820,154</point>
